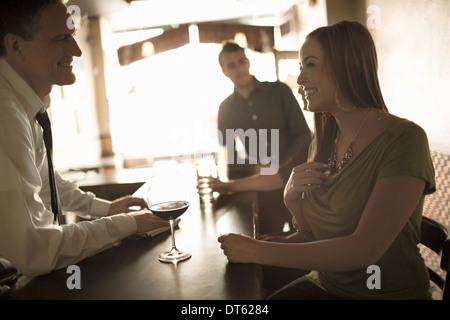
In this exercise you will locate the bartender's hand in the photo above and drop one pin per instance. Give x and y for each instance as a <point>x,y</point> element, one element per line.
<point>126,204</point>
<point>215,184</point>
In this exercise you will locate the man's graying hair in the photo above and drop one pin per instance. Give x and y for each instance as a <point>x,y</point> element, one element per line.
<point>21,17</point>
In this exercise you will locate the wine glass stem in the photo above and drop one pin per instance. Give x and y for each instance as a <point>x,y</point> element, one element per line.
<point>173,235</point>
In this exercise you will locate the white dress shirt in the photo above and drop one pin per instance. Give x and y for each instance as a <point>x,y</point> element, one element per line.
<point>28,236</point>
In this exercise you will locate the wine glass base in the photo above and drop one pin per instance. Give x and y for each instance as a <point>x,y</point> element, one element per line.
<point>174,256</point>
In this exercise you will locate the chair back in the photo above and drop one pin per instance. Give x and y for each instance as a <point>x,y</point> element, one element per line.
<point>436,237</point>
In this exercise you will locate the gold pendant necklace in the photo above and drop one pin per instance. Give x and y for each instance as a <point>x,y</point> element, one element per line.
<point>333,166</point>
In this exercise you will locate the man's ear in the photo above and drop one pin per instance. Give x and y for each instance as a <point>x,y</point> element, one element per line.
<point>12,44</point>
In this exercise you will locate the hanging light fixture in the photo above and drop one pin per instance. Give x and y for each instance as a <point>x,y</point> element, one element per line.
<point>148,49</point>
<point>241,39</point>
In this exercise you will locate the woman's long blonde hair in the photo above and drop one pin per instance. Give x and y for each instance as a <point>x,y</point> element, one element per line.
<point>351,57</point>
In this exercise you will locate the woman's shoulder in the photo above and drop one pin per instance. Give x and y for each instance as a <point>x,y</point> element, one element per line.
<point>401,126</point>
<point>403,134</point>
<point>398,133</point>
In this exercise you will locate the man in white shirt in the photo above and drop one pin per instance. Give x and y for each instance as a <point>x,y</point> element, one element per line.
<point>36,51</point>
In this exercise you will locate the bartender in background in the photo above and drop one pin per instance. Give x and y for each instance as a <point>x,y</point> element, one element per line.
<point>259,105</point>
<point>255,107</point>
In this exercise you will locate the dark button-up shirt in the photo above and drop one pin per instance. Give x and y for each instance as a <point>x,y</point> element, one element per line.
<point>271,105</point>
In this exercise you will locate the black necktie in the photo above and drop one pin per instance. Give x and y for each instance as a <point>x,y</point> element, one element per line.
<point>44,121</point>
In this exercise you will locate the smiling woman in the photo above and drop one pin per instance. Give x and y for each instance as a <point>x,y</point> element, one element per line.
<point>366,210</point>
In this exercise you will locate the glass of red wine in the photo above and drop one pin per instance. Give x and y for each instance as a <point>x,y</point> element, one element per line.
<point>168,198</point>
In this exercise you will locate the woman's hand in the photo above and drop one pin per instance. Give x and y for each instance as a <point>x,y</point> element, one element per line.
<point>238,248</point>
<point>125,204</point>
<point>305,177</point>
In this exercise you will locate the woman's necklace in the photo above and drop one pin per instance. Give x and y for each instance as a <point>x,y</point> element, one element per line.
<point>333,167</point>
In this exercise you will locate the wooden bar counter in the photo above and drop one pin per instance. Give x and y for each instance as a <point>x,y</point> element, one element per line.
<point>131,270</point>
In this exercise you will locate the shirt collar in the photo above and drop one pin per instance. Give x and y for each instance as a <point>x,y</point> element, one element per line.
<point>258,86</point>
<point>22,89</point>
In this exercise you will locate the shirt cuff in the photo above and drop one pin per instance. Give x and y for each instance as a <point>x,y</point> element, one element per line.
<point>127,224</point>
<point>99,207</point>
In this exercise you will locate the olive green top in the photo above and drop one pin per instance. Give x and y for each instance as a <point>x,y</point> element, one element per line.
<point>335,209</point>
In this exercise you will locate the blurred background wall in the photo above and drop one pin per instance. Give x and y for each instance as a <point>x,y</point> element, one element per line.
<point>137,111</point>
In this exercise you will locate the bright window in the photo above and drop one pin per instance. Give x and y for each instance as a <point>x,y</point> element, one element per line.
<point>167,104</point>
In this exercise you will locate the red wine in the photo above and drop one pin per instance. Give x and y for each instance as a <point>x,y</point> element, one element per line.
<point>170,209</point>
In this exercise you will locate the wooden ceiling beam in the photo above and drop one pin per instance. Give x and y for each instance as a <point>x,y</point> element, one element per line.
<point>258,38</point>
